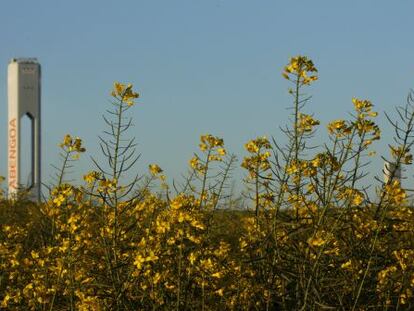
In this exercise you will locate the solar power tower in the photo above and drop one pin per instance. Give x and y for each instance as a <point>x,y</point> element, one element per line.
<point>23,86</point>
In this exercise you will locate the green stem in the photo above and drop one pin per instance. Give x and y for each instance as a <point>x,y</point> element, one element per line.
<point>62,171</point>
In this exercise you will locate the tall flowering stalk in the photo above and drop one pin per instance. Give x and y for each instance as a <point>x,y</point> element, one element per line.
<point>116,197</point>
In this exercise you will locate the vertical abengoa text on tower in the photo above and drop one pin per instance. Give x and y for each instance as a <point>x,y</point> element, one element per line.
<point>23,86</point>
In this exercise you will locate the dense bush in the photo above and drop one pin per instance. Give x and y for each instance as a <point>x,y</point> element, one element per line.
<point>307,236</point>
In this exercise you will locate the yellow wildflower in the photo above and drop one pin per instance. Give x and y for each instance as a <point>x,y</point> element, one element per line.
<point>306,123</point>
<point>155,169</point>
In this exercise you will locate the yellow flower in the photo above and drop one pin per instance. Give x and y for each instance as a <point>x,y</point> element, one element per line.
<point>306,123</point>
<point>211,141</point>
<point>77,145</point>
<point>155,169</point>
<point>354,196</point>
<point>316,241</point>
<point>194,162</point>
<point>339,128</point>
<point>71,144</point>
<point>259,158</point>
<point>300,67</point>
<point>34,254</point>
<point>192,258</point>
<point>67,141</point>
<point>124,93</point>
<point>362,105</point>
<point>255,145</point>
<point>221,151</point>
<point>139,260</point>
<point>220,292</point>
<point>65,245</point>
<point>91,177</point>
<point>59,200</point>
<point>156,279</point>
<point>402,153</point>
<point>347,264</point>
<point>394,193</point>
<point>251,147</point>
<point>151,257</point>
<point>206,264</point>
<point>216,275</point>
<point>119,88</point>
<point>196,165</point>
<point>5,301</point>
<point>107,185</point>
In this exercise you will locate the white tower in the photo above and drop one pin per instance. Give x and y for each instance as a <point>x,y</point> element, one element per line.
<point>23,83</point>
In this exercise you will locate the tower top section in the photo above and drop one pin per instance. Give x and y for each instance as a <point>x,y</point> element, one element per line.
<point>22,60</point>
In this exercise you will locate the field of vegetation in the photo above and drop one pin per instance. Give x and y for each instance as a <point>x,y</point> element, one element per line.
<point>307,236</point>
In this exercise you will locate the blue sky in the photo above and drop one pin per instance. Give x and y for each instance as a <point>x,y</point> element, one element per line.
<point>202,67</point>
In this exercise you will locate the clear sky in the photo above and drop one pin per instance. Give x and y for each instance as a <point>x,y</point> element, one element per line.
<point>210,66</point>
